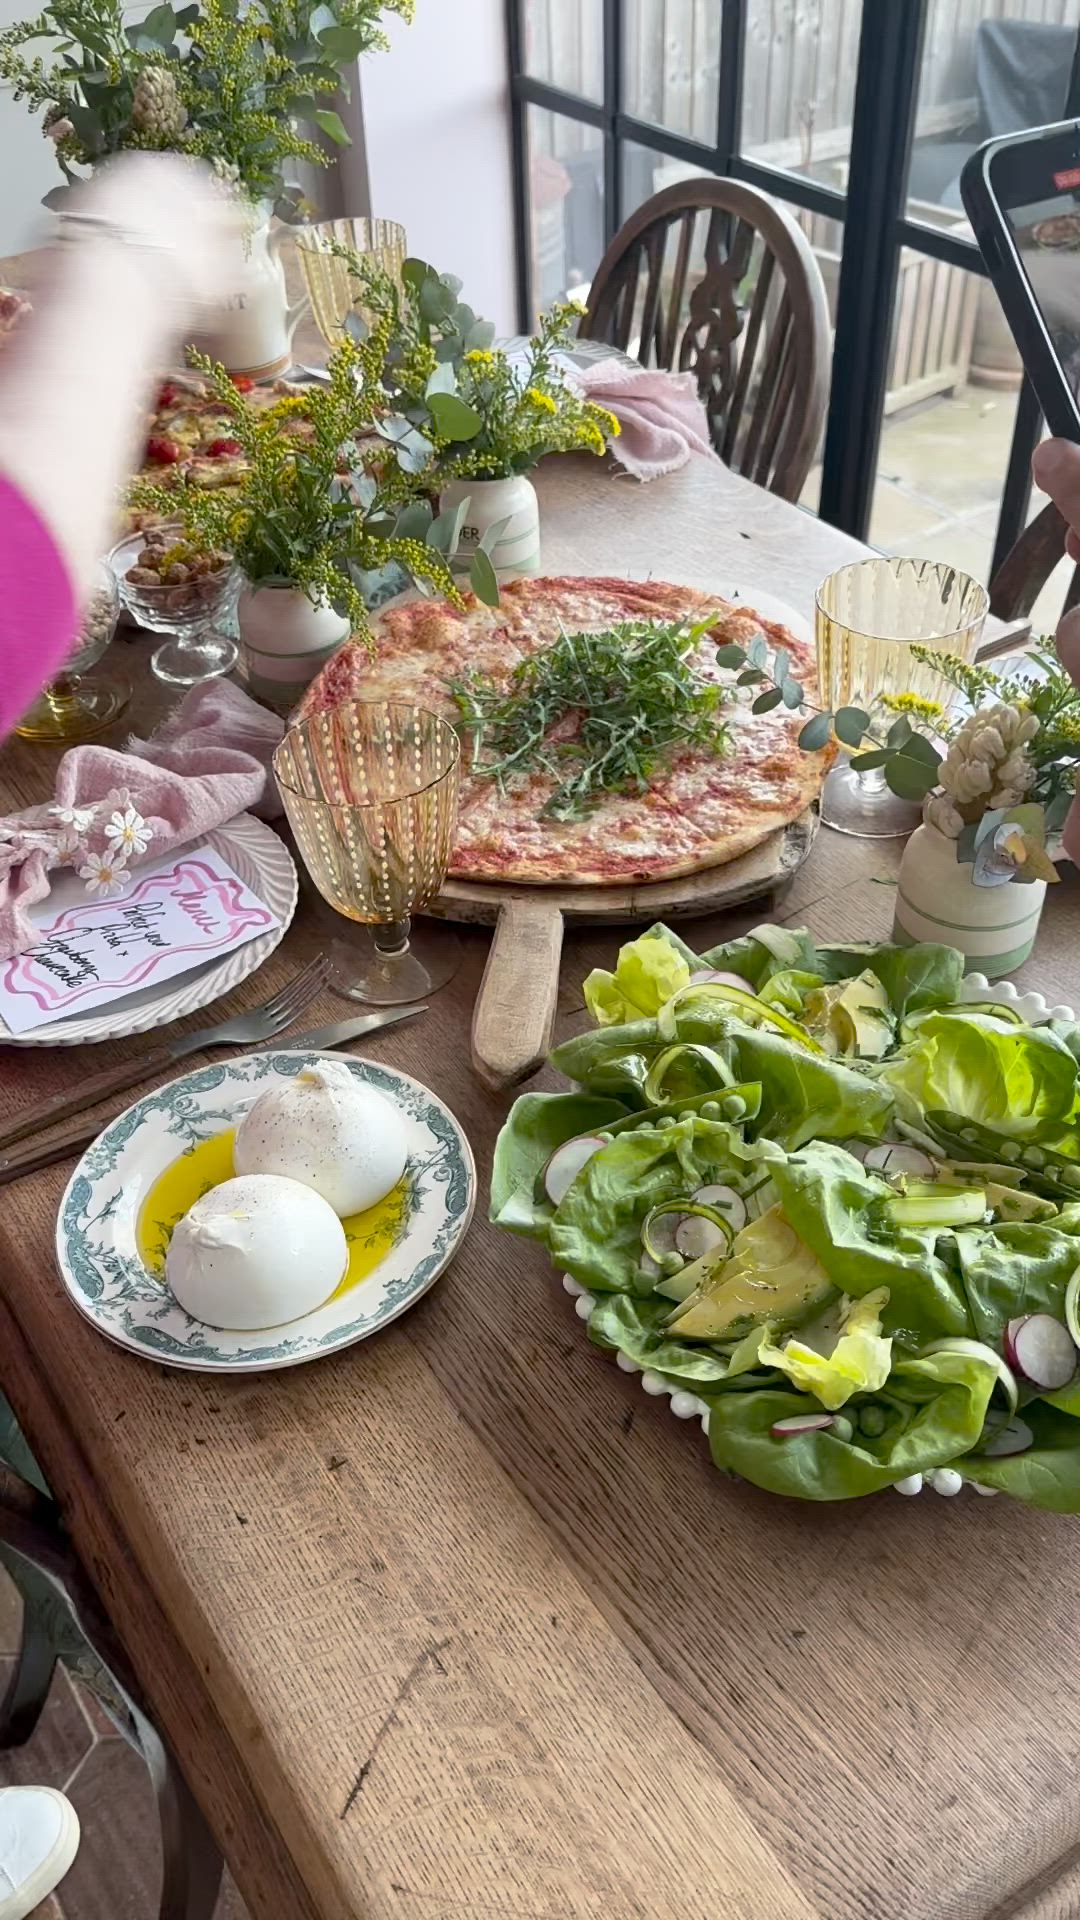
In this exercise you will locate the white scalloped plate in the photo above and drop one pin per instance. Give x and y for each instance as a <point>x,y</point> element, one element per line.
<point>1034,1008</point>
<point>264,864</point>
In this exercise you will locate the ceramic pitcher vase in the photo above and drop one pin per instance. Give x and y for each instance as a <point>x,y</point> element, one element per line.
<point>251,330</point>
<point>511,501</point>
<point>285,641</point>
<point>936,899</point>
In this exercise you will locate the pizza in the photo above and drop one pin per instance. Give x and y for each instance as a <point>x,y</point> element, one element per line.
<point>189,436</point>
<point>700,808</point>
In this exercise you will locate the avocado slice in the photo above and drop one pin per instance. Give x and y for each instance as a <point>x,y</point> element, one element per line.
<point>853,1017</point>
<point>769,1274</point>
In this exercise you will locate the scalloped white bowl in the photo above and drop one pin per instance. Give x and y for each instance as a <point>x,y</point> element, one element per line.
<point>1036,1010</point>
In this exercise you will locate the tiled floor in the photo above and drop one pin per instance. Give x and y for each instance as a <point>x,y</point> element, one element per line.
<point>941,471</point>
<point>116,1875</point>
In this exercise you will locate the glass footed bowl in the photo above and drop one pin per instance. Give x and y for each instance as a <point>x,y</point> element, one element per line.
<point>71,706</point>
<point>187,605</point>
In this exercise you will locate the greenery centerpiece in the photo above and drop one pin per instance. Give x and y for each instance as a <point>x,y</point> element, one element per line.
<point>999,781</point>
<point>469,415</point>
<point>228,81</point>
<point>321,509</point>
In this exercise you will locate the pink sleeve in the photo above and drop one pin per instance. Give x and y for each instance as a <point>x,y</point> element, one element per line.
<point>38,615</point>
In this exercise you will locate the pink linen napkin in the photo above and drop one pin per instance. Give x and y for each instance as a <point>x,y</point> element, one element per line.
<point>661,415</point>
<point>206,763</point>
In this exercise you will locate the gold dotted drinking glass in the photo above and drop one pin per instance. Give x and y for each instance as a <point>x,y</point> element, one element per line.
<point>331,288</point>
<point>370,789</point>
<point>867,616</point>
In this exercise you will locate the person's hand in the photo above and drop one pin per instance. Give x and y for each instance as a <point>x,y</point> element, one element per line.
<point>1055,469</point>
<point>173,214</point>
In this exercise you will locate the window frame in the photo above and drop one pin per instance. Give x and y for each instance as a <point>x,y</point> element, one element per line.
<point>872,212</point>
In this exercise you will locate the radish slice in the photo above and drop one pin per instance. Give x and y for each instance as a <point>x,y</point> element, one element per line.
<point>801,1423</point>
<point>892,1156</point>
<point>725,979</point>
<point>725,1200</point>
<point>1072,1306</point>
<point>566,1163</point>
<point>1015,1437</point>
<point>1044,1349</point>
<point>697,1235</point>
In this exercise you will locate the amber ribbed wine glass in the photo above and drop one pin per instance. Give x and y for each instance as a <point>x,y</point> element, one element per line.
<point>370,789</point>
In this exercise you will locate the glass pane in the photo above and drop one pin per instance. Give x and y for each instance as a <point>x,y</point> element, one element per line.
<point>950,409</point>
<point>672,64</point>
<point>989,67</point>
<point>564,45</point>
<point>566,205</point>
<point>799,85</point>
<point>645,172</point>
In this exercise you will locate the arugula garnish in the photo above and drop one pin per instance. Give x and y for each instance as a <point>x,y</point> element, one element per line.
<point>629,694</point>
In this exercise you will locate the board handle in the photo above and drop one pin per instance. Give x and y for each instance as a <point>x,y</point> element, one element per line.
<point>515,1007</point>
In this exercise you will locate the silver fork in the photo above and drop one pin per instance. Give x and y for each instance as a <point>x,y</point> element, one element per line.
<point>262,1023</point>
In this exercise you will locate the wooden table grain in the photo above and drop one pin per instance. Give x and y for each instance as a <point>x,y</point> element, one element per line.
<point>460,1622</point>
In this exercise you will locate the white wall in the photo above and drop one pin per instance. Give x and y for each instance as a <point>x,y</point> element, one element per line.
<point>436,119</point>
<point>27,165</point>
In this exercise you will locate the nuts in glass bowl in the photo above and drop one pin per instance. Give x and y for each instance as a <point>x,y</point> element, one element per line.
<point>166,582</point>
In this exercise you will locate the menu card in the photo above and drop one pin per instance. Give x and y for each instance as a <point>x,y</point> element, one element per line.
<point>170,916</point>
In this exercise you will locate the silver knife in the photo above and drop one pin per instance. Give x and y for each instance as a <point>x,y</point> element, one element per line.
<point>30,1158</point>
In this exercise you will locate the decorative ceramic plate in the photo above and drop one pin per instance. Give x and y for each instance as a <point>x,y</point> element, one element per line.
<point>264,864</point>
<point>1036,1010</point>
<point>106,1238</point>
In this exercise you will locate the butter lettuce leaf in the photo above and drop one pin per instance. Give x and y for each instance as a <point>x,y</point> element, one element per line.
<point>1048,1474</point>
<point>859,1362</point>
<point>1014,1269</point>
<point>595,1231</point>
<point>804,1096</point>
<point>935,1409</point>
<point>836,1207</point>
<point>648,971</point>
<point>536,1124</point>
<point>924,975</point>
<point>1022,1081</point>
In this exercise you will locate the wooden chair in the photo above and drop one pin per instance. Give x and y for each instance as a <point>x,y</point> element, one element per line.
<point>1028,565</point>
<point>753,325</point>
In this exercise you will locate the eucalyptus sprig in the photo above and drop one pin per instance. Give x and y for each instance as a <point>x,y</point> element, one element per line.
<point>908,759</point>
<point>455,401</point>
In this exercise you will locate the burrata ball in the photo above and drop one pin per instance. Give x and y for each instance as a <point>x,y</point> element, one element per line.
<point>256,1252</point>
<point>328,1130</point>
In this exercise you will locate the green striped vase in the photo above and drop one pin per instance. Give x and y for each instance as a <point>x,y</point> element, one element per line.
<point>491,502</point>
<point>936,899</point>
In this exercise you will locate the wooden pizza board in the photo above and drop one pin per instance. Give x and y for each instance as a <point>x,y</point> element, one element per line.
<point>515,1008</point>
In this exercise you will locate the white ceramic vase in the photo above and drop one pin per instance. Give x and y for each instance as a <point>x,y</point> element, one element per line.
<point>251,330</point>
<point>285,641</point>
<point>517,549</point>
<point>936,899</point>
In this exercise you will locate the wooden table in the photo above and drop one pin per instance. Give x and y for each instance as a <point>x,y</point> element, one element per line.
<point>460,1622</point>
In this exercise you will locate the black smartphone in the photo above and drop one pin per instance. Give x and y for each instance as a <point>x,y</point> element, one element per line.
<point>1022,196</point>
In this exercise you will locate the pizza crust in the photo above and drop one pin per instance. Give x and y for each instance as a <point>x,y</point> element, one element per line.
<point>684,825</point>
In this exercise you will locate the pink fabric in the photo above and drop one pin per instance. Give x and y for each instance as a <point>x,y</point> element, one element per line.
<point>208,762</point>
<point>662,419</point>
<point>38,615</point>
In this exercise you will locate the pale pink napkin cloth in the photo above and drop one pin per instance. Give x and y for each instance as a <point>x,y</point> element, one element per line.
<point>661,415</point>
<point>205,764</point>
